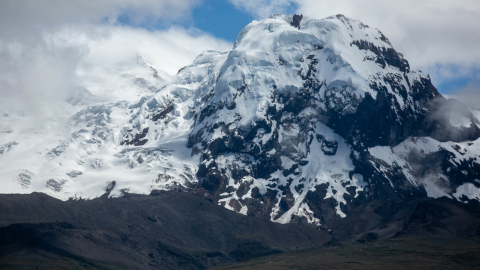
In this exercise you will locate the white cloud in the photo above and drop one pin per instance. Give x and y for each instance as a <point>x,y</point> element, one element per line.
<point>470,95</point>
<point>117,53</point>
<point>101,58</point>
<point>262,8</point>
<point>57,11</point>
<point>31,73</point>
<point>49,48</point>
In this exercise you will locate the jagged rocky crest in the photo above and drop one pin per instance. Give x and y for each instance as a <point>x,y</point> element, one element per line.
<point>303,121</point>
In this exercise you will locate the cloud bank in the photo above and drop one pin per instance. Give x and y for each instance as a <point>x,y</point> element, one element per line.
<point>49,47</point>
<point>261,9</point>
<point>50,12</point>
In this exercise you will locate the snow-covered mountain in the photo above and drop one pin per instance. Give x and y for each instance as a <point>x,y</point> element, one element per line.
<point>304,120</point>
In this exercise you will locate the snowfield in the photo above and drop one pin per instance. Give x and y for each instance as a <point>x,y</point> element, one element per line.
<point>251,127</point>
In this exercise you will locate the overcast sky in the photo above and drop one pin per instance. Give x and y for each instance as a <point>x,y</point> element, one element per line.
<point>43,43</point>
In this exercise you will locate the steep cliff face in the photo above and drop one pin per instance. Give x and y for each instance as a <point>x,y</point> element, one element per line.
<point>304,120</point>
<point>285,129</point>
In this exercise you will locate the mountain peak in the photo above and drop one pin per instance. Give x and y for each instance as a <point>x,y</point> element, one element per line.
<point>304,120</point>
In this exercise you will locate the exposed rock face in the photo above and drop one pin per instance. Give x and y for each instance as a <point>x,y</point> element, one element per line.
<point>171,230</point>
<point>286,128</point>
<point>303,121</point>
<point>296,20</point>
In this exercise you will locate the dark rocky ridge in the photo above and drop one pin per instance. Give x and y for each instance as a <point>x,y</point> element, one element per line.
<point>176,230</point>
<point>296,20</point>
<point>170,230</point>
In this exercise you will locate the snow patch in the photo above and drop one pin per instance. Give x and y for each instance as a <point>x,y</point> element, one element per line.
<point>469,190</point>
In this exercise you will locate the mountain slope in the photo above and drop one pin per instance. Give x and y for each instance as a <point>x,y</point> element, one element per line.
<point>169,230</point>
<point>303,121</point>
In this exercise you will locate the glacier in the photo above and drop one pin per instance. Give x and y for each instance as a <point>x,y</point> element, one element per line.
<point>302,121</point>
